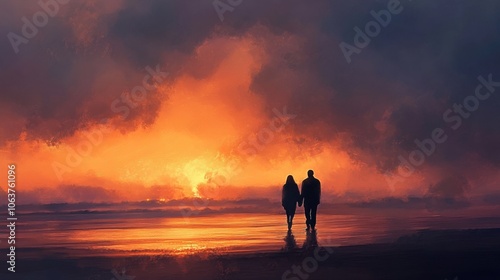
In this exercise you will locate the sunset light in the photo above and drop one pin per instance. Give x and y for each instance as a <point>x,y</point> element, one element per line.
<point>249,139</point>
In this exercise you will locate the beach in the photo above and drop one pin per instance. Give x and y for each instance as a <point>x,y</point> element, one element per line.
<point>250,244</point>
<point>468,254</point>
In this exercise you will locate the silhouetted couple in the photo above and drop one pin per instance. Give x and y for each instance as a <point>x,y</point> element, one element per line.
<point>310,196</point>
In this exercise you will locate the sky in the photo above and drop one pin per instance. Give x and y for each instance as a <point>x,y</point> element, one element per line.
<point>125,100</point>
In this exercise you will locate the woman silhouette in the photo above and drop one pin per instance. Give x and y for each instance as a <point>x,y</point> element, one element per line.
<point>290,196</point>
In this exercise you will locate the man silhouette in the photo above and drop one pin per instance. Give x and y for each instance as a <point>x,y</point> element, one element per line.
<point>311,194</point>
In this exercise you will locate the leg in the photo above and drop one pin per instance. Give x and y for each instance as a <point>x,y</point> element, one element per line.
<point>307,212</point>
<point>287,215</point>
<point>292,213</point>
<point>314,209</point>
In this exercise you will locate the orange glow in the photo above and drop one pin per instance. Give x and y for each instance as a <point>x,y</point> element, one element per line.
<point>233,233</point>
<point>197,132</point>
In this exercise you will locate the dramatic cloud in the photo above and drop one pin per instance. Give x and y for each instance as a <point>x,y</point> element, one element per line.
<point>213,114</point>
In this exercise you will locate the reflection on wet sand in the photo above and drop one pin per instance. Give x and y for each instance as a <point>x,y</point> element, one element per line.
<point>311,240</point>
<point>290,242</point>
<point>238,233</point>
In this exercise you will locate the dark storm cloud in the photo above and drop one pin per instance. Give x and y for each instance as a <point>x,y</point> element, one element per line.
<point>451,187</point>
<point>424,61</point>
<point>393,92</point>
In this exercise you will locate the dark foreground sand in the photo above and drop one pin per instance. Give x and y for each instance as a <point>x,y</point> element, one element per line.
<point>468,254</point>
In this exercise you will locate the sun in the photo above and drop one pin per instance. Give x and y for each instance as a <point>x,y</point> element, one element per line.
<point>195,173</point>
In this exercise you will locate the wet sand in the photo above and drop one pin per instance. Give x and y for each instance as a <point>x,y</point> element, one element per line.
<point>144,233</point>
<point>449,254</point>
